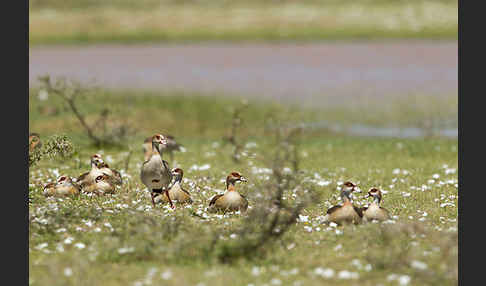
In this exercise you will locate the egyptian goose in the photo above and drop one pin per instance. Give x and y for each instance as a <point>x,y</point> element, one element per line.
<point>103,185</point>
<point>114,174</point>
<point>170,147</point>
<point>177,192</point>
<point>231,200</point>
<point>89,177</point>
<point>64,186</point>
<point>155,173</point>
<point>34,141</point>
<point>374,211</point>
<point>347,212</point>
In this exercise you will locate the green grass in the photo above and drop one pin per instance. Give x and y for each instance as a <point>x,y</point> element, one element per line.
<point>209,115</point>
<point>84,22</point>
<point>160,241</point>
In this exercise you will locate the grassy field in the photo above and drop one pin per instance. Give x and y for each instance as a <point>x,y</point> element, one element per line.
<point>121,240</point>
<point>77,22</point>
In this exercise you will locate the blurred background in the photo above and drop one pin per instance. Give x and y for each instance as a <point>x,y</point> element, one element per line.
<point>322,91</point>
<point>373,67</point>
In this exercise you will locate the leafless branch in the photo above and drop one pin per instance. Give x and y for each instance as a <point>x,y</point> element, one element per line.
<point>236,123</point>
<point>72,91</point>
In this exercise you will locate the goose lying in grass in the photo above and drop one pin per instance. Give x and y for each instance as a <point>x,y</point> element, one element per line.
<point>374,211</point>
<point>231,200</point>
<point>64,186</point>
<point>347,212</point>
<point>177,192</point>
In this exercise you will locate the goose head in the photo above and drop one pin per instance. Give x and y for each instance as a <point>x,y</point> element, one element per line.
<point>34,141</point>
<point>234,177</point>
<point>376,194</point>
<point>347,188</point>
<point>64,180</point>
<point>96,160</point>
<point>159,141</point>
<point>177,173</point>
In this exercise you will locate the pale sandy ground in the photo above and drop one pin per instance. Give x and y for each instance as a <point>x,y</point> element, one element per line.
<point>295,71</point>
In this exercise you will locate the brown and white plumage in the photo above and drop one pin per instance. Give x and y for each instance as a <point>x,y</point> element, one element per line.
<point>64,186</point>
<point>374,211</point>
<point>231,200</point>
<point>346,212</point>
<point>112,173</point>
<point>103,185</point>
<point>177,192</point>
<point>169,148</point>
<point>156,174</point>
<point>34,141</point>
<point>89,177</point>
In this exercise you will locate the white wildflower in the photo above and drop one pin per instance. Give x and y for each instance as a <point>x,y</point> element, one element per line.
<point>447,204</point>
<point>68,272</point>
<point>80,245</point>
<point>418,265</point>
<point>68,240</point>
<point>404,280</point>
<point>43,95</point>
<point>345,274</point>
<point>323,183</point>
<point>450,171</point>
<point>124,250</point>
<point>41,246</point>
<point>324,272</point>
<point>303,218</point>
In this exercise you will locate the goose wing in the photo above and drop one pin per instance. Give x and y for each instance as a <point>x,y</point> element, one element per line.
<point>214,199</point>
<point>333,209</point>
<point>117,176</point>
<point>359,211</point>
<point>385,211</point>
<point>82,177</point>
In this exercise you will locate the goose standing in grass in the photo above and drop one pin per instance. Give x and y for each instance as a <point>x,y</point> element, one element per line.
<point>64,186</point>
<point>374,211</point>
<point>89,177</point>
<point>347,212</point>
<point>155,173</point>
<point>34,141</point>
<point>231,200</point>
<point>177,192</point>
<point>170,147</point>
<point>103,185</point>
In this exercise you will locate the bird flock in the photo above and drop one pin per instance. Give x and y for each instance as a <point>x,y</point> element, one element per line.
<point>165,185</point>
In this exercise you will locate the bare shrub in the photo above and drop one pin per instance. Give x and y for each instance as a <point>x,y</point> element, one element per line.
<point>57,146</point>
<point>236,122</point>
<point>272,215</point>
<point>102,132</point>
